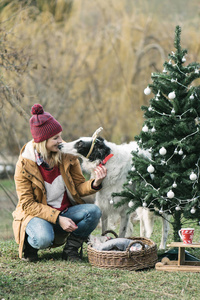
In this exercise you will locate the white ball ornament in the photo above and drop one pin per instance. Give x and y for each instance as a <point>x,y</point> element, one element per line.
<point>130,182</point>
<point>133,168</point>
<point>162,151</point>
<point>183,59</point>
<point>150,169</point>
<point>173,111</point>
<point>158,94</point>
<point>174,185</point>
<point>172,95</point>
<point>145,128</point>
<point>153,129</point>
<point>130,204</point>
<point>147,91</point>
<point>193,210</point>
<point>111,201</point>
<point>193,176</point>
<point>175,151</point>
<point>170,194</point>
<point>177,208</point>
<point>144,204</point>
<point>161,211</point>
<point>192,97</point>
<point>180,152</point>
<point>152,176</point>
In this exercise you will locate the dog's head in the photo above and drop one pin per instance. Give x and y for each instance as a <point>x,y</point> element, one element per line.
<point>82,146</point>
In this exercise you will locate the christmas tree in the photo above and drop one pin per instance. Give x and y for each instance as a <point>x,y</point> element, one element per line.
<point>168,181</point>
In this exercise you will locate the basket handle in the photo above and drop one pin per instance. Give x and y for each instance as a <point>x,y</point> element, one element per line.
<point>110,231</point>
<point>134,242</point>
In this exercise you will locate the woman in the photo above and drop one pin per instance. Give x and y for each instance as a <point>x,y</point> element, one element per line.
<point>49,185</point>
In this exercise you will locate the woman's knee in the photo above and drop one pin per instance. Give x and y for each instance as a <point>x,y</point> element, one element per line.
<point>44,240</point>
<point>95,211</point>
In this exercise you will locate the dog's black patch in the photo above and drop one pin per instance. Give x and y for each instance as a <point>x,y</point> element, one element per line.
<point>100,150</point>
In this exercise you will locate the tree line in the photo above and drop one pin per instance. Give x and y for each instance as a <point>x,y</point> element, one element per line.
<point>86,62</point>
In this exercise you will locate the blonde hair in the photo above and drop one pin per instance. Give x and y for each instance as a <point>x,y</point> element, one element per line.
<point>55,157</point>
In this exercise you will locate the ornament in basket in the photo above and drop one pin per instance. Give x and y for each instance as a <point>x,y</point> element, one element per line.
<point>135,253</point>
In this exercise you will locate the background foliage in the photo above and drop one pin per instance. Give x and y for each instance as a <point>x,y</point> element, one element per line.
<point>87,62</point>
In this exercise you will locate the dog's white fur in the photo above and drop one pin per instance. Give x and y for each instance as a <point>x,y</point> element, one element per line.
<point>117,170</point>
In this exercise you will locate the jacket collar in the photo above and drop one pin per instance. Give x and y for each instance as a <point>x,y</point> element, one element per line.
<point>28,151</point>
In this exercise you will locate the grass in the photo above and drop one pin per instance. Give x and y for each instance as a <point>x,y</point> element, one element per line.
<point>7,184</point>
<point>5,224</point>
<point>52,278</point>
<point>7,205</point>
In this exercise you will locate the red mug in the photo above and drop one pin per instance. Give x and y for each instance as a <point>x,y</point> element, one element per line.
<point>186,234</point>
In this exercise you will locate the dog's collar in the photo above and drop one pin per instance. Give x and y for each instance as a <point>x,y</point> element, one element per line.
<point>106,159</point>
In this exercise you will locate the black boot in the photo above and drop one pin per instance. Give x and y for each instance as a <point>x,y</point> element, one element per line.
<point>71,250</point>
<point>30,253</point>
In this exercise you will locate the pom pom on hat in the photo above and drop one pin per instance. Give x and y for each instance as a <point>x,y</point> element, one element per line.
<point>43,125</point>
<point>37,109</point>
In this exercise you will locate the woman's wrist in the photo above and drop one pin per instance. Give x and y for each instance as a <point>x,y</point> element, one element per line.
<point>57,220</point>
<point>96,187</point>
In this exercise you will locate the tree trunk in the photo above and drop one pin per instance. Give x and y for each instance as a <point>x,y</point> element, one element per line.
<point>176,225</point>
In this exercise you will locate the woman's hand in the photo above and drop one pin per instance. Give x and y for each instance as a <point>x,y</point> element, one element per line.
<point>101,173</point>
<point>67,224</point>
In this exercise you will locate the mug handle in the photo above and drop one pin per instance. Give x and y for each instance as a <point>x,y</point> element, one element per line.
<point>179,232</point>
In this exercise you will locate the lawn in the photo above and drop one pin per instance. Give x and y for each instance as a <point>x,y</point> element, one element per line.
<point>8,202</point>
<point>51,278</point>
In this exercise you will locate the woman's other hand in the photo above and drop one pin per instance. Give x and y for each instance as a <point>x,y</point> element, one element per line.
<point>67,224</point>
<point>101,173</point>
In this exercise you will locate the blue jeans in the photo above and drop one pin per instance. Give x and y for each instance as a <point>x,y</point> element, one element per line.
<point>41,234</point>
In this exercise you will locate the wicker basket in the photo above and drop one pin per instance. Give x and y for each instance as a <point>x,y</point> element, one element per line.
<point>127,260</point>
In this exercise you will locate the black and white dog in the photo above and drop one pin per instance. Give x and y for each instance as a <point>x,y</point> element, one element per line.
<point>118,162</point>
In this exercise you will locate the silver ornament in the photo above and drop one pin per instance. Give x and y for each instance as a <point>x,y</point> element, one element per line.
<point>130,204</point>
<point>193,176</point>
<point>172,95</point>
<point>147,91</point>
<point>145,128</point>
<point>150,169</point>
<point>162,151</point>
<point>170,194</point>
<point>174,185</point>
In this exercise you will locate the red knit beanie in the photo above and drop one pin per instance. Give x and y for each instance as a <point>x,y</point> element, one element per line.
<point>43,125</point>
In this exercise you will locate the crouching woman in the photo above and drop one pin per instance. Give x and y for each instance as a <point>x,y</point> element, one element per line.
<point>49,185</point>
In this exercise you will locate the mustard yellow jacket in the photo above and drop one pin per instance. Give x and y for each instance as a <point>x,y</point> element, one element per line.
<point>32,201</point>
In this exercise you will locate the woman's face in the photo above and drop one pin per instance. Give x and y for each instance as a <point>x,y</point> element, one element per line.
<point>53,142</point>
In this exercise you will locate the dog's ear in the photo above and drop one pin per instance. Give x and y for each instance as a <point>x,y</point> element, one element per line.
<point>100,139</point>
<point>100,150</point>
